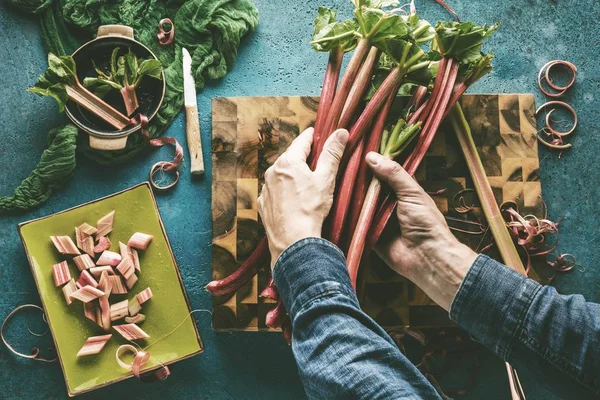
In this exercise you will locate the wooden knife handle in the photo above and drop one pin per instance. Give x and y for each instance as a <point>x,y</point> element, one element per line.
<point>192,128</point>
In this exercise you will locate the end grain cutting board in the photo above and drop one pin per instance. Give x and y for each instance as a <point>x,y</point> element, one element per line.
<point>249,133</point>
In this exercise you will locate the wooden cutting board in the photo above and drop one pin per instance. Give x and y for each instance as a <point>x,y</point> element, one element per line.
<point>249,133</point>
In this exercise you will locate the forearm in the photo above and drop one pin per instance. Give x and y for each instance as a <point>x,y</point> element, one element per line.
<point>340,351</point>
<point>530,325</point>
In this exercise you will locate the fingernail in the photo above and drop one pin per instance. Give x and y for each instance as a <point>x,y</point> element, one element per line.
<point>374,158</point>
<point>342,135</point>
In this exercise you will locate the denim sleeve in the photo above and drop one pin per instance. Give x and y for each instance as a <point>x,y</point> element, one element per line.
<point>340,351</point>
<point>529,325</point>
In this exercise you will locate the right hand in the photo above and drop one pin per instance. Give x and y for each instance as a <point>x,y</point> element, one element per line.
<point>425,247</point>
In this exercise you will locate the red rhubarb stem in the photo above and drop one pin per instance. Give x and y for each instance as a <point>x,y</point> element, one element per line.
<point>330,82</point>
<point>229,285</point>
<point>270,291</point>
<point>387,208</point>
<point>276,316</point>
<point>344,195</point>
<point>357,245</point>
<point>360,53</point>
<point>364,172</point>
<point>390,85</point>
<point>359,88</point>
<point>130,99</point>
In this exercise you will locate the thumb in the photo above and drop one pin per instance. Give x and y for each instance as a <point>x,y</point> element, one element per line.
<point>393,174</point>
<point>332,153</point>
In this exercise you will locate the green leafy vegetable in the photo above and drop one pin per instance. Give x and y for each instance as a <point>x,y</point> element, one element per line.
<point>60,73</point>
<point>463,40</point>
<point>125,74</point>
<point>329,33</point>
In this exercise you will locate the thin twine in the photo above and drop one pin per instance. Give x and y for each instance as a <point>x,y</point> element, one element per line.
<point>142,355</point>
<point>35,350</point>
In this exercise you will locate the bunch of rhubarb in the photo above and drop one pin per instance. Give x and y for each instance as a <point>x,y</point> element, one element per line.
<point>103,276</point>
<point>395,52</point>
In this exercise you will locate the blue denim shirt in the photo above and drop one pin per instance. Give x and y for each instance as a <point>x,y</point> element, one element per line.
<point>342,353</point>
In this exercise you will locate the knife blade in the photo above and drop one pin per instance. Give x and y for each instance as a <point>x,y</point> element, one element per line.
<point>192,122</point>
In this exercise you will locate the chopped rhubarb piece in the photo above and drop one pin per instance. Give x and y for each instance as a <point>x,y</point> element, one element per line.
<point>116,282</point>
<point>105,225</point>
<point>64,245</point>
<point>131,331</point>
<point>124,250</point>
<point>136,259</point>
<point>68,290</point>
<point>87,229</point>
<point>97,271</point>
<point>104,317</point>
<point>89,310</point>
<point>86,279</point>
<point>119,310</point>
<point>103,244</point>
<point>105,284</point>
<point>131,281</point>
<point>144,295</point>
<point>136,319</point>
<point>140,241</point>
<point>83,262</point>
<point>79,237</point>
<point>87,294</point>
<point>126,268</point>
<point>60,273</point>
<point>87,245</point>
<point>94,345</point>
<point>109,258</point>
<point>134,306</point>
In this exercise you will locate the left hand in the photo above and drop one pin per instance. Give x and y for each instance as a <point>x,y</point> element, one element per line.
<point>294,200</point>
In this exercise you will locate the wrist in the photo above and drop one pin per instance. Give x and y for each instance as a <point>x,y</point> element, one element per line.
<point>278,243</point>
<point>446,263</point>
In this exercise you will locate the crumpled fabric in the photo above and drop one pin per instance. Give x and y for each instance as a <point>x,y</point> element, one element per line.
<point>211,30</point>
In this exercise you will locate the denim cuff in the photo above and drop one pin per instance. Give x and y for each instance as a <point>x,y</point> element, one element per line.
<point>491,304</point>
<point>310,269</point>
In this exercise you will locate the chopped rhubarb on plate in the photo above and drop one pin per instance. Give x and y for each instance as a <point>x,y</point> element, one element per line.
<point>144,295</point>
<point>136,259</point>
<point>87,245</point>
<point>97,271</point>
<point>126,268</point>
<point>83,262</point>
<point>116,282</point>
<point>60,273</point>
<point>131,281</point>
<point>105,283</point>
<point>87,229</point>
<point>103,244</point>
<point>104,316</point>
<point>119,310</point>
<point>136,319</point>
<point>109,258</point>
<point>64,245</point>
<point>86,279</point>
<point>140,241</point>
<point>68,290</point>
<point>105,224</point>
<point>87,294</point>
<point>131,331</point>
<point>89,310</point>
<point>134,306</point>
<point>94,345</point>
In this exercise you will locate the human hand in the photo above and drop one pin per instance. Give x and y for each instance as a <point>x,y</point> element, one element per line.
<point>295,200</point>
<point>425,252</point>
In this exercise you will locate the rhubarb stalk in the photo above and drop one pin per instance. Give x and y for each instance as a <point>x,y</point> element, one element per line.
<point>492,213</point>
<point>332,75</point>
<point>395,144</point>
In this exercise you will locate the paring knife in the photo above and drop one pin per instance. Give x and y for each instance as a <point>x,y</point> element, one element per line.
<point>192,122</point>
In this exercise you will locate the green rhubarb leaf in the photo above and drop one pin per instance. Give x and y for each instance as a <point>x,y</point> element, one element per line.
<point>61,72</point>
<point>463,41</point>
<point>100,86</point>
<point>336,34</point>
<point>325,16</point>
<point>151,68</point>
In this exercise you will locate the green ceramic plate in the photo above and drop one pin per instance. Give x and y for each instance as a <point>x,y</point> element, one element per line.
<point>136,210</point>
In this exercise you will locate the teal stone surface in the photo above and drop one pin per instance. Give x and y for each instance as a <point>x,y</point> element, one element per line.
<point>277,60</point>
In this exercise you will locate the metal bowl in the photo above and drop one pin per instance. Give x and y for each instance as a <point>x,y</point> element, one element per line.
<point>150,92</point>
